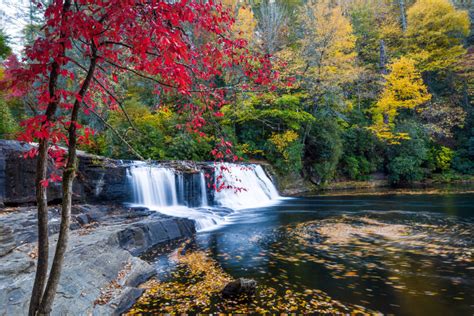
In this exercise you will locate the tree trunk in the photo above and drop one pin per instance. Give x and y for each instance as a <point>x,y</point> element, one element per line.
<point>403,16</point>
<point>43,242</point>
<point>53,280</point>
<point>68,179</point>
<point>41,191</point>
<point>42,201</point>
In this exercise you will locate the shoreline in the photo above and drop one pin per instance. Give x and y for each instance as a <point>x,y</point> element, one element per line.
<point>382,187</point>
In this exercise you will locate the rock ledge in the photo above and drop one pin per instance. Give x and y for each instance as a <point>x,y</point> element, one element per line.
<point>101,271</point>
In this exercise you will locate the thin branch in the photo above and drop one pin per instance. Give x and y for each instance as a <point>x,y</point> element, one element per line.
<point>231,87</point>
<point>109,93</point>
<point>139,74</point>
<point>132,150</point>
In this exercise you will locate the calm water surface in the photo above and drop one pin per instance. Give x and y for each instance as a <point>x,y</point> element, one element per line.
<point>404,254</point>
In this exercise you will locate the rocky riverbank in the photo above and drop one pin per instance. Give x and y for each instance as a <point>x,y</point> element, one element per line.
<point>99,179</point>
<point>102,269</point>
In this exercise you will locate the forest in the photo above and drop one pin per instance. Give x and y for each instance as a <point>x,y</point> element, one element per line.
<point>365,87</point>
<point>172,153</point>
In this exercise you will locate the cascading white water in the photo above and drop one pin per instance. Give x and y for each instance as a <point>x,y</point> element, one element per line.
<point>180,188</point>
<point>202,186</point>
<point>163,190</point>
<point>154,187</point>
<point>249,187</point>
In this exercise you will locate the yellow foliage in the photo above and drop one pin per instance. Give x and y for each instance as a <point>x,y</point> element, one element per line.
<point>205,278</point>
<point>157,118</point>
<point>245,24</point>
<point>404,89</point>
<point>197,281</point>
<point>229,3</point>
<point>282,141</point>
<point>325,56</point>
<point>435,33</point>
<point>245,148</point>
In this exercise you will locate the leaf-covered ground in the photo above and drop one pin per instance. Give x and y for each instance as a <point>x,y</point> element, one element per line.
<point>196,284</point>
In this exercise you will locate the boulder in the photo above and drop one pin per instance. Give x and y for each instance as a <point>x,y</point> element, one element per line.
<point>98,179</point>
<point>101,271</point>
<point>240,287</point>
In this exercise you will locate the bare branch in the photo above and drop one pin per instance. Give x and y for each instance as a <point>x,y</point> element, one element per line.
<point>109,93</point>
<point>140,74</point>
<point>132,150</point>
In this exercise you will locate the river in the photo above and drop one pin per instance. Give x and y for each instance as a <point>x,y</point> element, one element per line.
<point>409,253</point>
<point>394,254</point>
<point>406,254</point>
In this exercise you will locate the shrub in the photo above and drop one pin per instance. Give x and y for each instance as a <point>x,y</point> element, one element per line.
<point>407,160</point>
<point>440,158</point>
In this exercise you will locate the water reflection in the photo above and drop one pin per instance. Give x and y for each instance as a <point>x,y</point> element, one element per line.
<point>397,254</point>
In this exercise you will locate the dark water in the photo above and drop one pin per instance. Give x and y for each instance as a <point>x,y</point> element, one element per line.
<point>403,255</point>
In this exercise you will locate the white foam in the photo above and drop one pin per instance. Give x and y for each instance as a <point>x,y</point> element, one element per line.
<point>162,190</point>
<point>249,186</point>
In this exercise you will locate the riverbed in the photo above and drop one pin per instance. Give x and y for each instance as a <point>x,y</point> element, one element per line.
<point>394,254</point>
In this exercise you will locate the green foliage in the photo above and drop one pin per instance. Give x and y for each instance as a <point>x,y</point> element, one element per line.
<point>8,125</point>
<point>5,49</point>
<point>363,153</point>
<point>185,146</point>
<point>154,135</point>
<point>404,169</point>
<point>285,151</point>
<point>470,146</point>
<point>463,159</point>
<point>463,163</point>
<point>276,112</point>
<point>323,150</point>
<point>326,124</point>
<point>368,37</point>
<point>355,167</point>
<point>406,161</point>
<point>269,126</point>
<point>440,158</point>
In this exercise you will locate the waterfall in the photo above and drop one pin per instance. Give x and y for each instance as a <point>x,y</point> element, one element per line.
<point>170,192</point>
<point>154,187</point>
<point>249,187</point>
<point>181,198</point>
<point>203,187</point>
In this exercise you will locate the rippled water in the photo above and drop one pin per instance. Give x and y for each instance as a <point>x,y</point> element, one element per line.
<point>395,254</point>
<point>410,255</point>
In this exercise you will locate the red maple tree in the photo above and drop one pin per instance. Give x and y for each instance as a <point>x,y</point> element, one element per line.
<point>183,47</point>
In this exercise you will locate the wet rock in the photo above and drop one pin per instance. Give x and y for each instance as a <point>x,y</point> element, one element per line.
<point>96,257</point>
<point>126,300</point>
<point>17,263</point>
<point>7,240</point>
<point>98,180</point>
<point>2,179</point>
<point>82,219</point>
<point>240,287</point>
<point>142,236</point>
